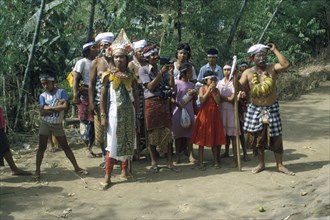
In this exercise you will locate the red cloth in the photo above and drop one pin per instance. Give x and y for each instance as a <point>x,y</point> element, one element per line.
<point>208,128</point>
<point>2,119</point>
<point>158,113</point>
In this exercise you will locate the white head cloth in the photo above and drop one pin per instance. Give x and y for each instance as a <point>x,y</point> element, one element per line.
<point>139,44</point>
<point>150,52</point>
<point>107,37</point>
<point>257,48</point>
<point>85,46</point>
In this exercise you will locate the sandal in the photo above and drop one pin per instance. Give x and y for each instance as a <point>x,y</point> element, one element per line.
<point>82,172</point>
<point>36,177</point>
<point>105,186</point>
<point>174,169</point>
<point>90,154</point>
<point>154,169</point>
<point>245,158</point>
<point>202,167</point>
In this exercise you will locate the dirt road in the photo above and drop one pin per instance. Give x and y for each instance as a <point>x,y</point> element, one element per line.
<point>191,194</point>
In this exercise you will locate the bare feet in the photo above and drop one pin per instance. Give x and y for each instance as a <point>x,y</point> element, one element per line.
<point>285,170</point>
<point>192,160</point>
<point>258,169</point>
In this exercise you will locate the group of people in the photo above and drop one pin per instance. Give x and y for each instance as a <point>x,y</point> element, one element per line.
<point>125,99</point>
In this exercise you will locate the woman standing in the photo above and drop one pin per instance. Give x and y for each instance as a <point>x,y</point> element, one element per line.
<point>157,85</point>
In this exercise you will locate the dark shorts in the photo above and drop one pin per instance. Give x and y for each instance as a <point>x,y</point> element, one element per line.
<point>4,145</point>
<point>261,140</point>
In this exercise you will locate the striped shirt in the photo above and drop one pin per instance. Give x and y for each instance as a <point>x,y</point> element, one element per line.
<point>48,99</point>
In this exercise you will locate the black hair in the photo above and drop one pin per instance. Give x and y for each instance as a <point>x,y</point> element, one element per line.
<point>209,73</point>
<point>183,46</point>
<point>86,50</point>
<point>212,51</point>
<point>183,68</point>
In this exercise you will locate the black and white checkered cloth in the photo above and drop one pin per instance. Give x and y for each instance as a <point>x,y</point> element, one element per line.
<point>253,120</point>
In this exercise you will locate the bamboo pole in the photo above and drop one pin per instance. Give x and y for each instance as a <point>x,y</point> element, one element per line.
<point>26,73</point>
<point>238,143</point>
<point>270,20</point>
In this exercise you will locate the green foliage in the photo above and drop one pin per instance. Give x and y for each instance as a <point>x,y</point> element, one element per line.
<point>300,29</point>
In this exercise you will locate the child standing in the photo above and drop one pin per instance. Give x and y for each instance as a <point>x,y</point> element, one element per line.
<point>226,88</point>
<point>208,129</point>
<point>52,105</point>
<point>185,95</point>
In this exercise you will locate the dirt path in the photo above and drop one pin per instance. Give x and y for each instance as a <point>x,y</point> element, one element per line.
<point>191,194</point>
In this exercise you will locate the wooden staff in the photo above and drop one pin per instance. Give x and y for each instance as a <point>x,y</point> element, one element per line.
<point>238,143</point>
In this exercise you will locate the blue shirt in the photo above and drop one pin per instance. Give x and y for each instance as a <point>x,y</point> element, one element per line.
<point>218,71</point>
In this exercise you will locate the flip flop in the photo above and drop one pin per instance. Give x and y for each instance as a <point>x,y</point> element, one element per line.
<point>174,169</point>
<point>105,186</point>
<point>154,169</point>
<point>246,158</point>
<point>36,177</point>
<point>82,172</point>
<point>201,167</point>
<point>257,169</point>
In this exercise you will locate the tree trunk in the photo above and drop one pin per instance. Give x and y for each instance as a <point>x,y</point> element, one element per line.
<point>178,25</point>
<point>91,21</point>
<point>26,73</point>
<point>270,20</point>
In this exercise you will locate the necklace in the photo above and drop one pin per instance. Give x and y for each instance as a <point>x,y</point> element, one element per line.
<point>261,89</point>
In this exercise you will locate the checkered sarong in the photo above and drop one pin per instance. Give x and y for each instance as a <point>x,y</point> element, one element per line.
<point>253,120</point>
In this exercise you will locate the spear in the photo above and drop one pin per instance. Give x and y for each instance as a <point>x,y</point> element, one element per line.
<point>238,144</point>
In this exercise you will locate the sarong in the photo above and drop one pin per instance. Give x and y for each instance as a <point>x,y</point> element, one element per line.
<point>253,119</point>
<point>99,131</point>
<point>157,113</point>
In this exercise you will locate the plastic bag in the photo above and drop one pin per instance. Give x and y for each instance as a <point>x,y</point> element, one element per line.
<point>185,119</point>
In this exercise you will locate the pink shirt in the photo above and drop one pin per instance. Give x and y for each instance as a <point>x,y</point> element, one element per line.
<point>2,119</point>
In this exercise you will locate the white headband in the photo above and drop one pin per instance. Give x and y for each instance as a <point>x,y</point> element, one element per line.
<point>212,55</point>
<point>209,77</point>
<point>139,44</point>
<point>227,67</point>
<point>88,44</point>
<point>150,52</point>
<point>47,78</point>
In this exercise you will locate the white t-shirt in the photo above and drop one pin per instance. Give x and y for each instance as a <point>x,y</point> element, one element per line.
<point>82,67</point>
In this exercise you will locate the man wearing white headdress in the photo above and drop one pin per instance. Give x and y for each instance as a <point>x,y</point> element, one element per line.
<point>98,67</point>
<point>80,95</point>
<point>262,121</point>
<point>117,112</point>
<point>134,66</point>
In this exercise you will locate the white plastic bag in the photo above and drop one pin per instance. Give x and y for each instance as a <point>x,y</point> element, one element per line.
<point>185,119</point>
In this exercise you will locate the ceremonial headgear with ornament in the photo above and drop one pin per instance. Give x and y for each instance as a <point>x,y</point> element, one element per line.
<point>121,45</point>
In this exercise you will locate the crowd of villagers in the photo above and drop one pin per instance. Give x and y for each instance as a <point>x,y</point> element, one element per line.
<point>129,99</point>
